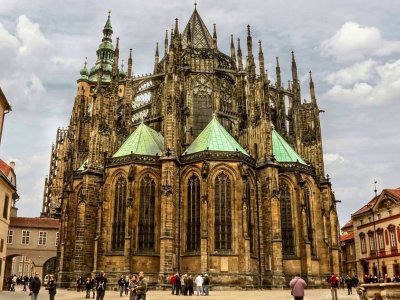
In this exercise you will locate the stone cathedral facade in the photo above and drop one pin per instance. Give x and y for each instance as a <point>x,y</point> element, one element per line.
<point>204,165</point>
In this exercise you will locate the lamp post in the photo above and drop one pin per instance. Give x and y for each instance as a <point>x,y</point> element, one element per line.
<point>375,242</point>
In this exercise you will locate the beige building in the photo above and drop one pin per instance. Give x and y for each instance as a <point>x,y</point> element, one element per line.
<point>376,229</point>
<point>36,239</point>
<point>348,255</point>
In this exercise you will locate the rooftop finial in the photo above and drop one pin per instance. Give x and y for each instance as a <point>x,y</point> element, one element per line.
<point>195,4</point>
<point>85,61</point>
<point>109,13</point>
<point>375,190</point>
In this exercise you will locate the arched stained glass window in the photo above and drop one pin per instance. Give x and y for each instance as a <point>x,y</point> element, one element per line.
<point>147,214</point>
<point>118,227</point>
<point>223,218</point>
<point>193,214</point>
<point>286,220</point>
<point>310,225</point>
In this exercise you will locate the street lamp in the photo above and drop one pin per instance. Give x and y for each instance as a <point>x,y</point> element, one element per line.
<point>375,239</point>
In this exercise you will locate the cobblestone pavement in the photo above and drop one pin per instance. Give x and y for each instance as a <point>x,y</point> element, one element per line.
<point>317,294</point>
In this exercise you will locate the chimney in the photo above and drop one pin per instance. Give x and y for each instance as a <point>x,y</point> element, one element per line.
<point>12,164</point>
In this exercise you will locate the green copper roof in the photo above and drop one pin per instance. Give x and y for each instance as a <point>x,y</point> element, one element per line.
<point>214,138</point>
<point>282,151</point>
<point>84,165</point>
<point>143,140</point>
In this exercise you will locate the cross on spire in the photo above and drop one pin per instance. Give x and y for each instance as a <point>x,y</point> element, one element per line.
<point>195,4</point>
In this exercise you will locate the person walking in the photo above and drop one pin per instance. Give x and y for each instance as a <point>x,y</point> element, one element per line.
<point>101,282</point>
<point>349,285</point>
<point>121,284</point>
<point>297,284</point>
<point>34,286</point>
<point>172,282</point>
<point>206,284</point>
<point>88,287</point>
<point>334,283</point>
<point>199,284</point>
<point>52,287</point>
<point>141,288</point>
<point>93,281</point>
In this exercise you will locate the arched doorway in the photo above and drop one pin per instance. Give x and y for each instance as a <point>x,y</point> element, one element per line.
<point>49,267</point>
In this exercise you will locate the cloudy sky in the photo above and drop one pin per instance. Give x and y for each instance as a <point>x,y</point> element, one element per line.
<point>352,47</point>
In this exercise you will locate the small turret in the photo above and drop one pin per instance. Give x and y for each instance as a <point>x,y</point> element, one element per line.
<point>84,71</point>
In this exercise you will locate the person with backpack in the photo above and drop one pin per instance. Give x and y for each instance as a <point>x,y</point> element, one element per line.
<point>334,283</point>
<point>101,282</point>
<point>297,285</point>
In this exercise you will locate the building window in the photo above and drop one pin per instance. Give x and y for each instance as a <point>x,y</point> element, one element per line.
<point>5,208</point>
<point>1,245</point>
<point>392,237</point>
<point>351,249</point>
<point>26,237</point>
<point>223,218</point>
<point>57,238</point>
<point>363,243</point>
<point>10,236</point>
<point>361,222</point>
<point>286,220</point>
<point>193,214</point>
<point>381,241</point>
<point>42,237</point>
<point>250,216</point>
<point>146,214</point>
<point>371,241</point>
<point>118,227</point>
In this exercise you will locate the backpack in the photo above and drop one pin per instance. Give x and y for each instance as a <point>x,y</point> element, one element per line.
<point>334,281</point>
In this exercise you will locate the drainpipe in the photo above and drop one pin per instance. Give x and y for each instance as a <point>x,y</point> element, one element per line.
<point>258,235</point>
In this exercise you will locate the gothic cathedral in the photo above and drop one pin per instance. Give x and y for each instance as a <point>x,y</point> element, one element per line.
<point>204,165</point>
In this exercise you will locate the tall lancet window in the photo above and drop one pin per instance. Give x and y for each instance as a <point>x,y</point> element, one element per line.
<point>146,214</point>
<point>118,227</point>
<point>310,226</point>
<point>250,216</point>
<point>286,220</point>
<point>193,214</point>
<point>223,218</point>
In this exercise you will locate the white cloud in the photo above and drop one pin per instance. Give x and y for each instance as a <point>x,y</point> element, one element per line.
<point>366,83</point>
<point>362,71</point>
<point>333,158</point>
<point>7,40</point>
<point>353,42</point>
<point>30,35</point>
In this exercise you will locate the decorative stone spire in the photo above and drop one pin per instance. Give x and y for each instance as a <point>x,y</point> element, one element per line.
<point>312,90</point>
<point>233,54</point>
<point>156,59</point>
<point>294,70</point>
<point>166,43</point>
<point>278,73</point>
<point>251,70</point>
<point>261,60</point>
<point>239,57</point>
<point>130,64</point>
<point>215,44</point>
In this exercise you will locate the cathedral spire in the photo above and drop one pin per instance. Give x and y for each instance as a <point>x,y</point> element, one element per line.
<point>176,29</point>
<point>312,90</point>
<point>294,70</point>
<point>278,73</point>
<point>239,57</point>
<point>250,58</point>
<point>233,54</point>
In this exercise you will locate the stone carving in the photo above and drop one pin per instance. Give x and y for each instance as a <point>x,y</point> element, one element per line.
<point>205,169</point>
<point>132,173</point>
<point>244,171</point>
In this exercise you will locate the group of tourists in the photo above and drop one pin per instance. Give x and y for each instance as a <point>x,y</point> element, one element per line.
<point>385,279</point>
<point>184,284</point>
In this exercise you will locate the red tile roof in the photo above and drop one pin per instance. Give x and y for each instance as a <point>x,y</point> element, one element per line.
<point>349,224</point>
<point>347,237</point>
<point>34,222</point>
<point>393,192</point>
<point>5,168</point>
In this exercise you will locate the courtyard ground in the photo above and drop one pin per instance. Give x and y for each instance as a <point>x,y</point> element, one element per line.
<point>312,294</point>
